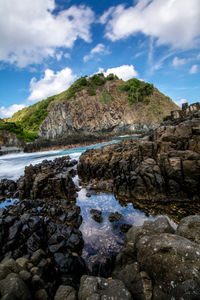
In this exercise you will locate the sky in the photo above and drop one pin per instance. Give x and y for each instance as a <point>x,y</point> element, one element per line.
<point>45,45</point>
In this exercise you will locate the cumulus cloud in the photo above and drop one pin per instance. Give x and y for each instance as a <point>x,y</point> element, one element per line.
<point>98,49</point>
<point>178,61</point>
<point>193,69</point>
<point>52,83</point>
<point>174,23</point>
<point>181,101</point>
<point>30,31</point>
<point>7,112</point>
<point>124,72</point>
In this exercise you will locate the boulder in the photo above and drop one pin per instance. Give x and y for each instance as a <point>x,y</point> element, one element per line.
<point>189,227</point>
<point>96,215</point>
<point>15,286</point>
<point>65,292</point>
<point>100,288</point>
<point>169,260</point>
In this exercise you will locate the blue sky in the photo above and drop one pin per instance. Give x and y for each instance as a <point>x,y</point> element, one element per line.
<point>47,44</point>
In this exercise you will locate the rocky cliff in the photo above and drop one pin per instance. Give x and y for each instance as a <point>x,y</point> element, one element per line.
<point>105,114</point>
<point>9,142</point>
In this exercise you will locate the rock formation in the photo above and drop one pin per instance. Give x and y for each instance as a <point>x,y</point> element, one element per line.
<point>85,115</point>
<point>163,167</point>
<point>157,262</point>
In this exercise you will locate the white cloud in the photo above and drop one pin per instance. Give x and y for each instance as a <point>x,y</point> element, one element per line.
<point>178,61</point>
<point>59,55</point>
<point>124,72</point>
<point>98,49</point>
<point>174,23</point>
<point>193,69</point>
<point>51,84</point>
<point>30,32</point>
<point>7,112</point>
<point>198,56</point>
<point>181,101</point>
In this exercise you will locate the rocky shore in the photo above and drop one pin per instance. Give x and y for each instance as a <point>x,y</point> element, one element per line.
<point>40,239</point>
<point>163,168</point>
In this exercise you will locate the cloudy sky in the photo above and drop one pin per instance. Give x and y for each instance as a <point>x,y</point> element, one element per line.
<point>47,44</point>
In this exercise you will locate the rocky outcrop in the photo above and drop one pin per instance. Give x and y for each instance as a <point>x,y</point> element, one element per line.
<point>157,263</point>
<point>86,117</point>
<point>10,143</point>
<point>162,168</point>
<point>48,179</point>
<point>100,288</point>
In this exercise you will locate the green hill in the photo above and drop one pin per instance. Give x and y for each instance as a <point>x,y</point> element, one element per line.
<point>25,123</point>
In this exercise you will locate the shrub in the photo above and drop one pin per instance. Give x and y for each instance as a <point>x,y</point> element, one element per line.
<point>137,90</point>
<point>111,77</point>
<point>91,92</point>
<point>106,98</point>
<point>97,79</point>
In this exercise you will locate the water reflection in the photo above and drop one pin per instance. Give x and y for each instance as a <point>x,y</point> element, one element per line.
<point>105,237</point>
<point>7,202</point>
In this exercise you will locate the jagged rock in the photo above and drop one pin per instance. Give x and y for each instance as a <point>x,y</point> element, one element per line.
<point>8,187</point>
<point>96,215</point>
<point>115,217</point>
<point>189,227</point>
<point>47,179</point>
<point>162,168</point>
<point>14,285</point>
<point>100,288</point>
<point>65,292</point>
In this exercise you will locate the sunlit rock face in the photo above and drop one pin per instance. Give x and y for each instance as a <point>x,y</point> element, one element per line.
<point>84,115</point>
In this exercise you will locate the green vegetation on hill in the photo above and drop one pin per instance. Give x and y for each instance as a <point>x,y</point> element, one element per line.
<point>138,91</point>
<point>18,130</point>
<point>89,83</point>
<point>25,123</point>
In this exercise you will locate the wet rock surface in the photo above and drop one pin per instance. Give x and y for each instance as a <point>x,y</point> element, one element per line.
<point>100,288</point>
<point>48,179</point>
<point>157,263</point>
<point>41,244</point>
<point>96,215</point>
<point>161,169</point>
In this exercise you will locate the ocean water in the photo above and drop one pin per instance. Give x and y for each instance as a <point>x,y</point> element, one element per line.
<point>102,237</point>
<point>12,165</point>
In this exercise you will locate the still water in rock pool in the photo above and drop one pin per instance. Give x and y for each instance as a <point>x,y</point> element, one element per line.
<point>100,238</point>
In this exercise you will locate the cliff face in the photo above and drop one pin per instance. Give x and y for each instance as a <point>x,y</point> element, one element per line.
<point>9,139</point>
<point>104,114</point>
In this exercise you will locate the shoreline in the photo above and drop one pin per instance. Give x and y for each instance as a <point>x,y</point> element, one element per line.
<point>83,144</point>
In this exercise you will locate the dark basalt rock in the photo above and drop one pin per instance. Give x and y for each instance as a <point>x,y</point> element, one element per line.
<point>96,215</point>
<point>163,168</point>
<point>189,228</point>
<point>45,180</point>
<point>124,227</point>
<point>156,262</point>
<point>100,288</point>
<point>115,217</point>
<point>8,188</point>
